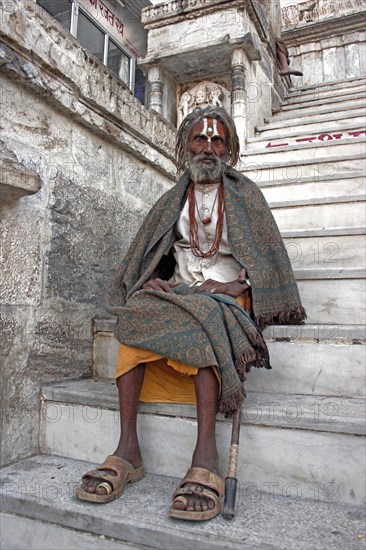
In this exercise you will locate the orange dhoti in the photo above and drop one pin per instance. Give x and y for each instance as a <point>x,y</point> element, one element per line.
<point>165,380</point>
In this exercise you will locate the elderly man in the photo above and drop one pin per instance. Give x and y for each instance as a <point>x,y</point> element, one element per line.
<point>206,271</point>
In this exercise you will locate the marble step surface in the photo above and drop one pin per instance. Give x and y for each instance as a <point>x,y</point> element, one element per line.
<point>290,151</point>
<point>304,359</point>
<point>316,120</point>
<point>318,138</point>
<point>296,111</point>
<point>340,187</point>
<point>336,129</point>
<point>321,214</point>
<point>293,171</point>
<point>326,99</point>
<point>18,532</point>
<point>328,300</point>
<point>339,84</point>
<point>325,413</point>
<point>285,439</point>
<point>327,92</point>
<point>39,509</point>
<point>319,251</point>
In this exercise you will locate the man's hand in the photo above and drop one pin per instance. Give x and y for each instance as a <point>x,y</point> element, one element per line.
<point>159,284</point>
<point>233,288</point>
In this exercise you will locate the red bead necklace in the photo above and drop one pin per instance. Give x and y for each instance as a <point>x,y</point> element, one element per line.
<point>193,226</point>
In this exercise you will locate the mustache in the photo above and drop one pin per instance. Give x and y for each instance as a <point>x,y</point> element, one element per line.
<point>204,156</point>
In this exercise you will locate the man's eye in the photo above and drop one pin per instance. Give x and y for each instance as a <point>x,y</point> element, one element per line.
<point>218,140</point>
<point>199,139</point>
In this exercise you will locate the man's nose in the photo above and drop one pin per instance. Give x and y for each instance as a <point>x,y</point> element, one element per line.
<point>208,146</point>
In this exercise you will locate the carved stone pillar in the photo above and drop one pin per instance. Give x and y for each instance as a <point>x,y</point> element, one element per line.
<point>238,103</point>
<point>155,78</point>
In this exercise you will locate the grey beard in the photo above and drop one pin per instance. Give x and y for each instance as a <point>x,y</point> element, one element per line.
<point>206,172</point>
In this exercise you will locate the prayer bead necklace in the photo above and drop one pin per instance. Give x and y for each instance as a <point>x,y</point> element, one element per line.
<point>193,226</point>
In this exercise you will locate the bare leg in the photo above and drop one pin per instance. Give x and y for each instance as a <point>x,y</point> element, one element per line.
<point>207,388</point>
<point>129,387</point>
<point>284,66</point>
<point>205,454</point>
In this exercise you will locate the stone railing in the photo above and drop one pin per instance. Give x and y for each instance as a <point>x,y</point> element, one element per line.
<point>313,11</point>
<point>153,14</point>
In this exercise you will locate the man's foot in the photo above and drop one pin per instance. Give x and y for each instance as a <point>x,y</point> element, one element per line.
<point>290,72</point>
<point>198,496</point>
<point>90,483</point>
<point>195,498</point>
<point>107,481</point>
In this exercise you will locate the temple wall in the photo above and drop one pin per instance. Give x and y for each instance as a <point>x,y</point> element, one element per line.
<point>195,46</point>
<point>204,27</point>
<point>83,162</point>
<point>331,59</point>
<point>326,40</point>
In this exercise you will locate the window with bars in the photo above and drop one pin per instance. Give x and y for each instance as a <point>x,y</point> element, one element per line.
<point>97,41</point>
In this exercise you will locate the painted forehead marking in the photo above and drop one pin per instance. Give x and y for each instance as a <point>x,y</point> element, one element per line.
<point>210,128</point>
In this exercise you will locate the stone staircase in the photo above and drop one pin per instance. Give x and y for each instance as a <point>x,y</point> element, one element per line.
<point>311,170</point>
<point>302,450</point>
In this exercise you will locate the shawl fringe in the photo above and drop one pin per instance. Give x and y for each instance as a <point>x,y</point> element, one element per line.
<point>231,404</point>
<point>242,364</point>
<point>288,316</point>
<point>252,358</point>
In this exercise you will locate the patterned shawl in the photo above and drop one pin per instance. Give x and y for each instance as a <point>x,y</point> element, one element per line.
<point>202,329</point>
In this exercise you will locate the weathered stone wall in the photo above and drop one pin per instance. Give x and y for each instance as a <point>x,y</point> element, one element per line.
<point>90,146</point>
<point>326,40</point>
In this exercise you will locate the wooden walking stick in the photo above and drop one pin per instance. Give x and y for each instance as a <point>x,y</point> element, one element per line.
<point>230,480</point>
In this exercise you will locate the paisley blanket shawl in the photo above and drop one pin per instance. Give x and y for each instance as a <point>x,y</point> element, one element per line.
<point>200,329</point>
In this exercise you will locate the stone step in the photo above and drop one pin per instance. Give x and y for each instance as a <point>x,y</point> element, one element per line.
<point>325,99</point>
<point>317,121</point>
<point>304,359</point>
<point>327,93</point>
<point>295,171</point>
<point>308,189</point>
<point>314,334</point>
<point>325,231</point>
<point>316,201</point>
<point>139,519</point>
<point>339,251</point>
<point>312,438</point>
<point>319,215</point>
<point>299,112</point>
<point>338,84</point>
<point>330,300</point>
<point>283,152</point>
<point>313,412</point>
<point>339,129</point>
<point>328,180</point>
<point>18,531</point>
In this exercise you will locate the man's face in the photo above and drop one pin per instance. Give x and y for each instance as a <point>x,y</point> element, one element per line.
<point>207,136</point>
<point>207,150</point>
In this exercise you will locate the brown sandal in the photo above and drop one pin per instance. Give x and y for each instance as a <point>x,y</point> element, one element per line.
<point>113,484</point>
<point>209,485</point>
